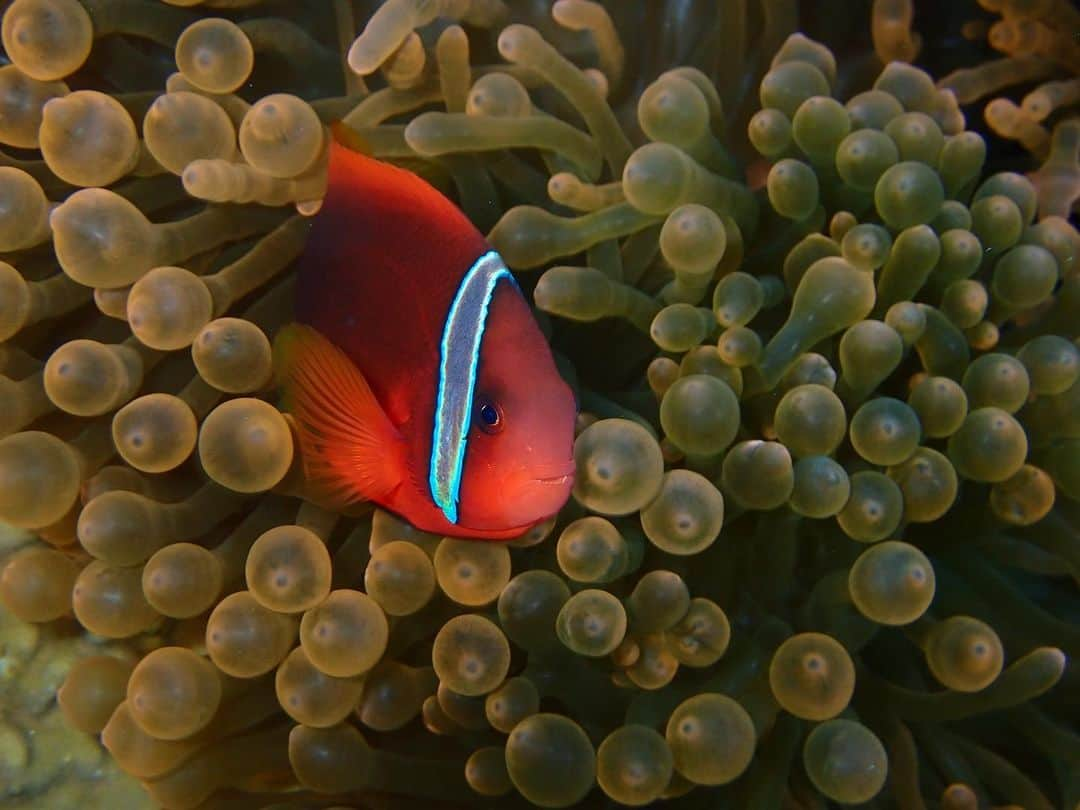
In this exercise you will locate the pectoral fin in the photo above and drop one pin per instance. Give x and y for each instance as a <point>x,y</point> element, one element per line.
<point>351,451</point>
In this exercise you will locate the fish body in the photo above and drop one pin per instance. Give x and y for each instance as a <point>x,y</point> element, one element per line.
<point>417,375</point>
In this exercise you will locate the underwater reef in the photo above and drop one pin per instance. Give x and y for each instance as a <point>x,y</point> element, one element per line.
<point>813,273</point>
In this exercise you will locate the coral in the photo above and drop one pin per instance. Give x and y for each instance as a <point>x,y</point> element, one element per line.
<point>52,685</point>
<point>821,544</point>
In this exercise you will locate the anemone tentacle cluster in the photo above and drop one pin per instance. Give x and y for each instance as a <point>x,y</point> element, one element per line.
<point>822,544</point>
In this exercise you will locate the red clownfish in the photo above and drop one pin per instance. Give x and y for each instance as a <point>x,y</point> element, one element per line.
<point>416,373</point>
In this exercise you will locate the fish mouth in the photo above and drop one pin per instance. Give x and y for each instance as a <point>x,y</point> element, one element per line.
<point>560,475</point>
<point>555,479</point>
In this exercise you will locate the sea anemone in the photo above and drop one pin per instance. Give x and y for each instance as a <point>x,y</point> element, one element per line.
<point>821,547</point>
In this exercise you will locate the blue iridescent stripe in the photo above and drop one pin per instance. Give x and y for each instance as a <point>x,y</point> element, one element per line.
<point>459,356</point>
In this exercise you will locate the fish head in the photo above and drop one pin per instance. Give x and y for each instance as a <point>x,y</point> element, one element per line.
<point>519,466</point>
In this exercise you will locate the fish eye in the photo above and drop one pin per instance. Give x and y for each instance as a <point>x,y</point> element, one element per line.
<point>489,416</point>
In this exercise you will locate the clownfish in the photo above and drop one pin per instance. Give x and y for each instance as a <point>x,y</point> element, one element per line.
<point>415,372</point>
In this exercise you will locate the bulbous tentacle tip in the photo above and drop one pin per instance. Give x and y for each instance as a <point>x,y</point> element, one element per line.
<point>823,350</point>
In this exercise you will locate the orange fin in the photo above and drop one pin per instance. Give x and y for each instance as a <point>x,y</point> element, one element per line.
<point>350,449</point>
<point>757,174</point>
